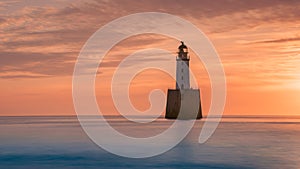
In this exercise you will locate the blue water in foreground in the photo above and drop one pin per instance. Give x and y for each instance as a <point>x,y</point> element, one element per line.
<point>239,142</point>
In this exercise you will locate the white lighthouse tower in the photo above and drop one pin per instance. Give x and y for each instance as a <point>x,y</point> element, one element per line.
<point>182,68</point>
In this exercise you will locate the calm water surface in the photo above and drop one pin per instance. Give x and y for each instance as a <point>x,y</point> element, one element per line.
<point>239,142</point>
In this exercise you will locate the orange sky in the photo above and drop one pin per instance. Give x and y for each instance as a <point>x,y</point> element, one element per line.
<point>258,43</point>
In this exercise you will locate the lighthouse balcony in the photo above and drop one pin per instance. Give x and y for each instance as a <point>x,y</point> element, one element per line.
<point>185,58</point>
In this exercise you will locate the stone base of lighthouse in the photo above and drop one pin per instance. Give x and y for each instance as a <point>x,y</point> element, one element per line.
<point>183,104</point>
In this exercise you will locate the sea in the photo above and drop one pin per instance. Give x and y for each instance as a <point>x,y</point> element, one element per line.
<point>239,142</point>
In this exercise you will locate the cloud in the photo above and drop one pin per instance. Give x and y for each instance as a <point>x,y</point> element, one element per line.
<point>2,20</point>
<point>46,37</point>
<point>280,40</point>
<point>36,64</point>
<point>21,75</point>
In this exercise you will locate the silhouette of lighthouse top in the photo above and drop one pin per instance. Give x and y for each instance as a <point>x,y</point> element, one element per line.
<point>182,68</point>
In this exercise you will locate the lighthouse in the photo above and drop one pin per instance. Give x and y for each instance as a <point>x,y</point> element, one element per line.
<point>182,68</point>
<point>183,102</point>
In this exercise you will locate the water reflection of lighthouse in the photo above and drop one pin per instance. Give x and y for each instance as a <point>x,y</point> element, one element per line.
<point>183,102</point>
